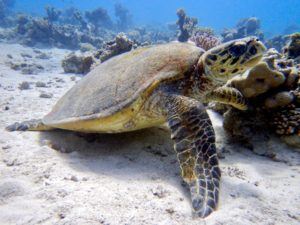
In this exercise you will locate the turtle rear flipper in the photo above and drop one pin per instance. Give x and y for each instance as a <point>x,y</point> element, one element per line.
<point>194,139</point>
<point>30,125</point>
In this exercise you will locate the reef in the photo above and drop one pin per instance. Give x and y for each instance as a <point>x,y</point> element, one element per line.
<point>71,28</point>
<point>245,27</point>
<point>272,92</point>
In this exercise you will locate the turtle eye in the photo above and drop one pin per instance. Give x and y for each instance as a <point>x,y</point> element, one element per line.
<point>252,50</point>
<point>237,50</point>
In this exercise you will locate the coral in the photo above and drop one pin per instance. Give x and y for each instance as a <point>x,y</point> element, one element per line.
<point>86,47</point>
<point>124,17</point>
<point>77,64</point>
<point>279,99</point>
<point>78,16</point>
<point>112,48</point>
<point>22,20</point>
<point>205,40</point>
<point>245,27</point>
<point>258,80</point>
<point>70,29</point>
<point>99,18</point>
<point>272,91</point>
<point>247,128</point>
<point>277,42</point>
<point>286,120</point>
<point>38,29</point>
<point>52,13</point>
<point>292,49</point>
<point>186,25</point>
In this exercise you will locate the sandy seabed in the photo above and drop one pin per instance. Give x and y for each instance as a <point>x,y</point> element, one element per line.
<point>61,177</point>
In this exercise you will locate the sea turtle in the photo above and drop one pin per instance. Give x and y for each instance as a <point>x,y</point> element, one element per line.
<point>155,85</point>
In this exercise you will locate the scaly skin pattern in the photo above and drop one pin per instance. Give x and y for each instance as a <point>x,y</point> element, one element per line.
<point>178,102</point>
<point>194,142</point>
<point>228,95</point>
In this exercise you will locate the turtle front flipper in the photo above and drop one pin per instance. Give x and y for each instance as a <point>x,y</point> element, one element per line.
<point>31,125</point>
<point>194,138</point>
<point>228,95</point>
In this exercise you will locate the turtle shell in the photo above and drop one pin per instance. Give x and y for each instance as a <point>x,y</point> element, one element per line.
<point>118,83</point>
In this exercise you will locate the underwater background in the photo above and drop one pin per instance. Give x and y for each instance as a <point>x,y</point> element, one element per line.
<point>276,16</point>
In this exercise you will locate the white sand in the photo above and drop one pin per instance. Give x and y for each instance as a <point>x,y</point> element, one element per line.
<point>130,178</point>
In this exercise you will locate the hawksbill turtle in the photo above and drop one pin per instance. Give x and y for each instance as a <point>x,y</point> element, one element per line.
<point>155,85</point>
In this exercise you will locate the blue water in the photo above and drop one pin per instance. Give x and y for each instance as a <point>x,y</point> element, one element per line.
<point>275,15</point>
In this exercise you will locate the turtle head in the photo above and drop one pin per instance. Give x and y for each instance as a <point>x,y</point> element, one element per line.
<point>224,61</point>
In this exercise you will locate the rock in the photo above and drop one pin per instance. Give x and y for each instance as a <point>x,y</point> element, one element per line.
<point>6,147</point>
<point>46,95</point>
<point>160,192</point>
<point>115,47</point>
<point>26,68</point>
<point>42,56</point>
<point>10,188</point>
<point>74,178</point>
<point>24,85</point>
<point>86,47</point>
<point>40,84</point>
<point>25,55</point>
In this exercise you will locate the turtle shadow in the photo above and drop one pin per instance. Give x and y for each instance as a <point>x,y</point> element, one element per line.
<point>143,155</point>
